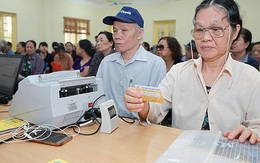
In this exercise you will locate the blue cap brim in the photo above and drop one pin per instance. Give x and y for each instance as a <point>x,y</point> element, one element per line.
<point>109,20</point>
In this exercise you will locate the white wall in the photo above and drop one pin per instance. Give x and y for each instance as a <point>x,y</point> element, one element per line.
<point>42,20</point>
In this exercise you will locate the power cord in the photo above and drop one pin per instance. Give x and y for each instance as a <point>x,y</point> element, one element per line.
<point>125,119</point>
<point>90,116</point>
<point>29,132</point>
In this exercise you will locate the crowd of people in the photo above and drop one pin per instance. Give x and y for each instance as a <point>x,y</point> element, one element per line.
<point>213,86</point>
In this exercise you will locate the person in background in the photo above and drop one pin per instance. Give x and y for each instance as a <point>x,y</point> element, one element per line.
<point>62,60</point>
<point>86,51</point>
<point>46,56</point>
<point>2,46</point>
<point>21,48</point>
<point>190,51</point>
<point>32,63</point>
<point>8,49</point>
<point>54,46</point>
<point>255,52</point>
<point>96,40</point>
<point>240,49</point>
<point>153,49</point>
<point>169,49</point>
<point>131,64</point>
<point>69,49</point>
<point>106,45</point>
<point>146,46</point>
<point>223,94</point>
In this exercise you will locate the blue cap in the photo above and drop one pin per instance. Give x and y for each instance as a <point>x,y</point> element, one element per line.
<point>126,14</point>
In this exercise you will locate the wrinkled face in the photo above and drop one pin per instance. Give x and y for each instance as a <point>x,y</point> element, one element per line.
<point>68,47</point>
<point>256,51</point>
<point>30,49</point>
<point>208,46</point>
<point>239,46</point>
<point>43,49</point>
<point>126,36</point>
<point>20,49</point>
<point>103,44</point>
<point>163,50</point>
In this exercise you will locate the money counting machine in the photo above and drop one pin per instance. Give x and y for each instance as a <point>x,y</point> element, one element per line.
<point>58,99</point>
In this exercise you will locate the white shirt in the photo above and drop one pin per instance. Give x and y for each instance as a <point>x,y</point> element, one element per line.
<point>232,100</point>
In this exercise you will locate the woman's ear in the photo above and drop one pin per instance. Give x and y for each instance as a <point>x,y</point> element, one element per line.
<point>235,35</point>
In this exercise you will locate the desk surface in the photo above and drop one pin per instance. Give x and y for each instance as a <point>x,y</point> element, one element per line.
<point>128,143</point>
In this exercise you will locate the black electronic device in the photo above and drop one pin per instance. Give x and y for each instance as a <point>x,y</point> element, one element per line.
<point>9,70</point>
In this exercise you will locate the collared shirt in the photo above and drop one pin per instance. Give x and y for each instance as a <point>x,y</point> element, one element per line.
<point>144,68</point>
<point>248,59</point>
<point>233,99</point>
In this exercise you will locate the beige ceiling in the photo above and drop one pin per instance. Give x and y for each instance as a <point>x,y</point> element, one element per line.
<point>110,3</point>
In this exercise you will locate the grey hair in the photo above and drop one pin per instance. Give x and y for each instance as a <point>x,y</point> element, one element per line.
<point>2,46</point>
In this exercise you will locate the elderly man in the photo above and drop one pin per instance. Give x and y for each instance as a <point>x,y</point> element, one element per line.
<point>131,64</point>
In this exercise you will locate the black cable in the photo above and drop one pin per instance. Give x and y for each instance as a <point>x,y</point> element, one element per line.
<point>130,122</point>
<point>94,118</point>
<point>6,140</point>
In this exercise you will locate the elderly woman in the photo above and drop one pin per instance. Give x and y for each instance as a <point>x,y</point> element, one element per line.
<point>222,93</point>
<point>32,63</point>
<point>105,45</point>
<point>169,49</point>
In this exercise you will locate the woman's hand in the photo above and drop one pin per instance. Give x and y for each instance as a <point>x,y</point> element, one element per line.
<point>242,134</point>
<point>135,103</point>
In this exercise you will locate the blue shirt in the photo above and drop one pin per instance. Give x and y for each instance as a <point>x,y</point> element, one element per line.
<point>144,68</point>
<point>10,52</point>
<point>248,59</point>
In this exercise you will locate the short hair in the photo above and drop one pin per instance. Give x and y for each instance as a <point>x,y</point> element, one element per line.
<point>109,36</point>
<point>247,36</point>
<point>69,43</point>
<point>252,45</point>
<point>9,43</point>
<point>174,46</point>
<point>55,45</point>
<point>147,45</point>
<point>43,44</point>
<point>32,41</point>
<point>230,7</point>
<point>256,43</point>
<point>60,48</point>
<point>22,43</point>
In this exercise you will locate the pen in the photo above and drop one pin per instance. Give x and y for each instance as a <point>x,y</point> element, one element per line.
<point>130,82</point>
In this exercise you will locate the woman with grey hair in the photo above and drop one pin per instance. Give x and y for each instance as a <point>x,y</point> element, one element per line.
<point>214,92</point>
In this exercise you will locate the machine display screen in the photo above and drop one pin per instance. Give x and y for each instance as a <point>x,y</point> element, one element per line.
<point>112,111</point>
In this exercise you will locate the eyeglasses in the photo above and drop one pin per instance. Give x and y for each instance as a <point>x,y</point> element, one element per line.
<point>216,32</point>
<point>160,47</point>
